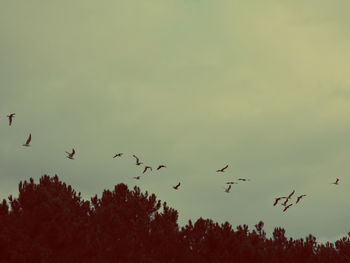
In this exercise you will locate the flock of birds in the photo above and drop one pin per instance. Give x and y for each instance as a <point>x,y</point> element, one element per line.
<point>70,155</point>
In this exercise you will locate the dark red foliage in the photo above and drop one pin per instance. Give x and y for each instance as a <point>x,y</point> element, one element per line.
<point>49,222</point>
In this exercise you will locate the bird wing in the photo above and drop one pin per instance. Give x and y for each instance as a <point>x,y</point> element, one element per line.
<point>291,194</point>
<point>29,139</point>
<point>73,151</point>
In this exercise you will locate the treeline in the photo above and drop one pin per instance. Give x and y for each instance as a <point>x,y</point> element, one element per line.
<point>50,222</point>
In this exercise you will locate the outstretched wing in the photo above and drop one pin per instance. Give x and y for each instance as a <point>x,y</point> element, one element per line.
<point>291,194</point>
<point>29,139</point>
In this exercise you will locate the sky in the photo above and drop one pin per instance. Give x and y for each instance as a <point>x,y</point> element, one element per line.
<point>260,85</point>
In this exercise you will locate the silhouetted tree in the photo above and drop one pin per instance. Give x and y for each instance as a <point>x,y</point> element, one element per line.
<point>49,222</point>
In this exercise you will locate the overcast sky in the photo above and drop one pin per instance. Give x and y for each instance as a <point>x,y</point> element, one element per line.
<point>195,85</point>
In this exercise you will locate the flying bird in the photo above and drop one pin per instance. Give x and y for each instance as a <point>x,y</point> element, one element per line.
<point>11,117</point>
<point>28,140</point>
<point>118,155</point>
<point>222,169</point>
<point>228,189</point>
<point>137,160</point>
<point>161,166</point>
<point>336,182</point>
<point>299,197</point>
<point>231,183</point>
<point>243,179</point>
<point>291,194</point>
<point>277,199</point>
<point>137,177</point>
<point>70,155</point>
<point>287,207</point>
<point>177,186</point>
<point>147,167</point>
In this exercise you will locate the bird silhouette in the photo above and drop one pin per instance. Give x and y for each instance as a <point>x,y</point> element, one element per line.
<point>137,177</point>
<point>231,183</point>
<point>137,160</point>
<point>70,155</point>
<point>11,117</point>
<point>28,140</point>
<point>299,197</point>
<point>147,167</point>
<point>177,186</point>
<point>161,166</point>
<point>243,179</point>
<point>228,189</point>
<point>118,155</point>
<point>336,182</point>
<point>291,194</point>
<point>222,169</point>
<point>277,199</point>
<point>287,207</point>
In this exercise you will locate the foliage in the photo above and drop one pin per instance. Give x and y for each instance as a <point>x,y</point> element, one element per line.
<point>50,222</point>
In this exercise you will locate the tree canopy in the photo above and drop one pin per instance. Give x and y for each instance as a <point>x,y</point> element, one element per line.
<point>50,222</point>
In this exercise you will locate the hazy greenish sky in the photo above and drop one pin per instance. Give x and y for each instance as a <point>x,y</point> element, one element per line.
<point>263,86</point>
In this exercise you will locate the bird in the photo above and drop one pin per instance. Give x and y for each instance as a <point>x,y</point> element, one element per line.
<point>243,179</point>
<point>228,189</point>
<point>11,117</point>
<point>231,183</point>
<point>137,177</point>
<point>118,155</point>
<point>161,166</point>
<point>336,182</point>
<point>70,155</point>
<point>137,160</point>
<point>222,169</point>
<point>299,197</point>
<point>28,140</point>
<point>147,167</point>
<point>287,207</point>
<point>290,195</point>
<point>277,199</point>
<point>177,186</point>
